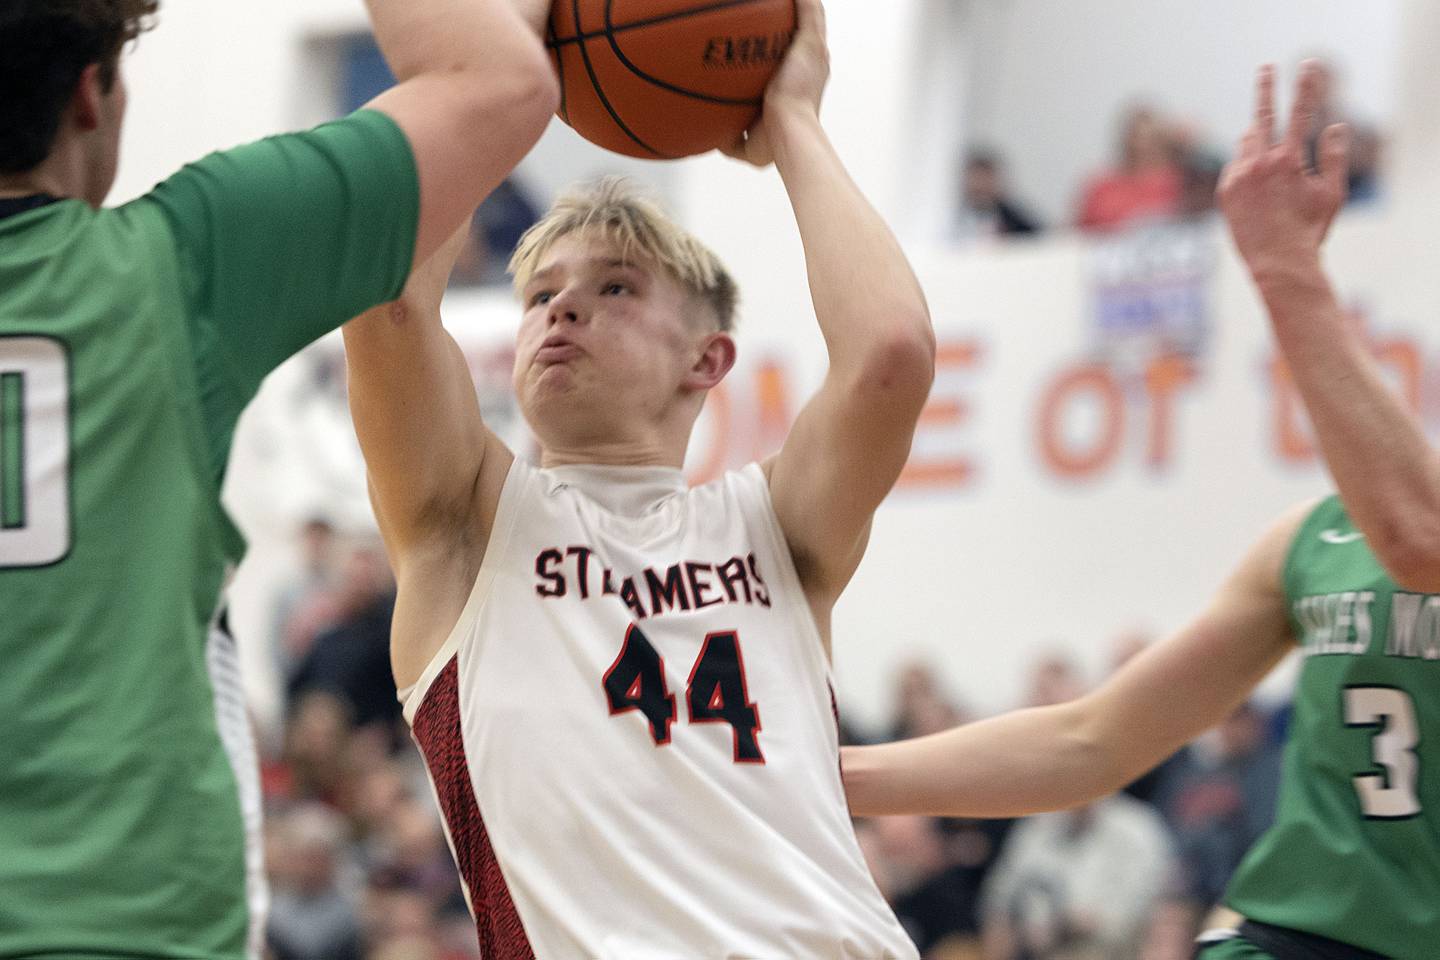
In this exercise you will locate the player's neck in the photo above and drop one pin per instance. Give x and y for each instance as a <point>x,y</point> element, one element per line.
<point>26,186</point>
<point>612,454</point>
<point>62,174</point>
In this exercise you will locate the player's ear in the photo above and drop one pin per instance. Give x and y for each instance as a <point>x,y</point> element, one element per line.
<point>88,99</point>
<point>714,362</point>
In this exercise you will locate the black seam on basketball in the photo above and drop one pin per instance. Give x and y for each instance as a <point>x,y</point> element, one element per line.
<point>605,101</point>
<point>563,109</point>
<point>656,81</point>
<point>647,22</point>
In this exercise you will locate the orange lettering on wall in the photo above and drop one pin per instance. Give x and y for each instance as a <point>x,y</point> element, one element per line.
<point>1063,457</point>
<point>1402,356</point>
<point>945,412</point>
<point>772,409</point>
<point>1163,380</point>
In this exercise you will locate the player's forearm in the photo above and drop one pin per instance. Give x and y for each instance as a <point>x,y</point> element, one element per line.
<point>1377,452</point>
<point>1016,764</point>
<point>421,37</point>
<point>870,305</point>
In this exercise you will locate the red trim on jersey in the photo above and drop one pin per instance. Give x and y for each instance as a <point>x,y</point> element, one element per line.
<point>437,731</point>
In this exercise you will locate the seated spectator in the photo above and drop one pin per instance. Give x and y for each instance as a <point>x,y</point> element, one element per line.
<point>1218,800</point>
<point>1053,679</point>
<point>986,207</point>
<point>1078,885</point>
<point>352,658</point>
<point>306,607</point>
<point>911,865</point>
<point>1199,178</point>
<point>1145,186</point>
<point>310,919</point>
<point>921,706</point>
<point>312,765</point>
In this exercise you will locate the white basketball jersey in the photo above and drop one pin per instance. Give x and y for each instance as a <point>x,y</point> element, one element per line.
<point>632,737</point>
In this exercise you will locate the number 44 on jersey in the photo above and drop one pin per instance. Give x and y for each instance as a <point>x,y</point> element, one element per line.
<point>715,693</point>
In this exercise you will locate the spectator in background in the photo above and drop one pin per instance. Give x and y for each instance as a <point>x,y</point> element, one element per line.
<point>1144,186</point>
<point>1200,165</point>
<point>310,918</point>
<point>1077,885</point>
<point>312,765</point>
<point>986,207</point>
<point>352,658</point>
<point>1218,798</point>
<point>306,607</point>
<point>1053,679</point>
<point>921,706</point>
<point>908,858</point>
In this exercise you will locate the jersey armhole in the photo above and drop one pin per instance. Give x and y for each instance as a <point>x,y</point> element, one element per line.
<point>517,480</point>
<point>754,474</point>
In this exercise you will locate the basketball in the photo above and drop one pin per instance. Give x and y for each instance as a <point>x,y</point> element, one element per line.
<point>663,79</point>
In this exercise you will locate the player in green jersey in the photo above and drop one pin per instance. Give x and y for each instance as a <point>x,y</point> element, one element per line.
<point>130,339</point>
<point>1351,867</point>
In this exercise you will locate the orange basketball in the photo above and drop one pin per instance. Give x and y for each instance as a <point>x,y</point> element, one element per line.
<point>662,79</point>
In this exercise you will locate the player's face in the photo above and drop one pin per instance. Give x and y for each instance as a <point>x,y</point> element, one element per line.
<point>604,347</point>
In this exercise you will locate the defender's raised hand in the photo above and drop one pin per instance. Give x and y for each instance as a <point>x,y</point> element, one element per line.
<point>1278,207</point>
<point>797,87</point>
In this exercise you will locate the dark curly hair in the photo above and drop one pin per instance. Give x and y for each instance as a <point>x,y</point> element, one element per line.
<point>44,47</point>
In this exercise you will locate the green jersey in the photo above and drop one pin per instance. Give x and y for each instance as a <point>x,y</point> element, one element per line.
<point>130,339</point>
<point>1354,853</point>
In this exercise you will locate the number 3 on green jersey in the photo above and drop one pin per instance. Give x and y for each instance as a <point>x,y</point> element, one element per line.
<point>34,451</point>
<point>1388,794</point>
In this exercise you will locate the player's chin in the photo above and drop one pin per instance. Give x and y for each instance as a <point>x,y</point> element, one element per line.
<point>551,393</point>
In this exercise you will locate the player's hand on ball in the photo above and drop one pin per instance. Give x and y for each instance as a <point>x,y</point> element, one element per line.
<point>797,87</point>
<point>1279,210</point>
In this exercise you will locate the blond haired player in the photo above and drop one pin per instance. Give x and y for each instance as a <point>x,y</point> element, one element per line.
<point>620,685</point>
<point>1350,870</point>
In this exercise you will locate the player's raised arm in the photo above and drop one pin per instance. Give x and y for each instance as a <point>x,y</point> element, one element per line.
<point>1051,758</point>
<point>1279,212</point>
<point>852,439</point>
<point>476,91</point>
<point>414,407</point>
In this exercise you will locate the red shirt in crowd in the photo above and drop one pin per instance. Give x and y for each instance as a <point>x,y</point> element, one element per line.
<point>1117,199</point>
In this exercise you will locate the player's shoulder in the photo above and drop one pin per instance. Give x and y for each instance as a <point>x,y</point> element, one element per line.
<point>364,143</point>
<point>747,485</point>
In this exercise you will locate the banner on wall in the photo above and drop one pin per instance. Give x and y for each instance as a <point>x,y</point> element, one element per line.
<point>1109,427</point>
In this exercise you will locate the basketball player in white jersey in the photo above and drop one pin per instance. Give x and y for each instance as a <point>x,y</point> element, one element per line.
<point>621,686</point>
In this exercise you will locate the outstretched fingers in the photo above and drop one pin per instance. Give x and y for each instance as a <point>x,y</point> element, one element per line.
<point>1305,115</point>
<point>1264,128</point>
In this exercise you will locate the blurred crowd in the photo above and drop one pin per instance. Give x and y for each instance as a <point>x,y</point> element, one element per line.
<point>358,863</point>
<point>360,868</point>
<point>1165,170</point>
<point>1129,877</point>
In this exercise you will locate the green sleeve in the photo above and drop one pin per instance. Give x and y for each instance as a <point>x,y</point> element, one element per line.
<point>283,240</point>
